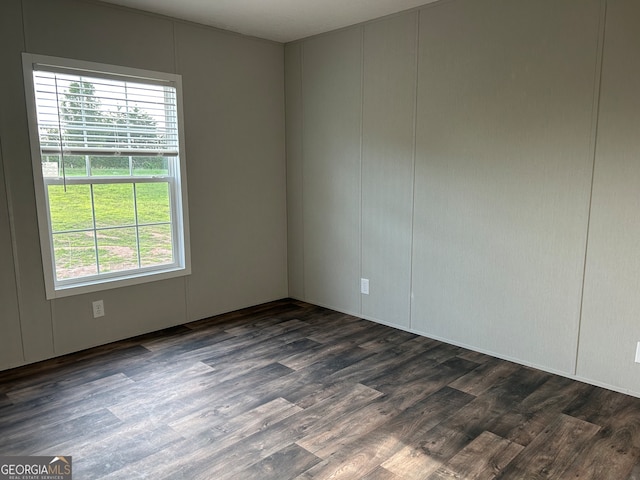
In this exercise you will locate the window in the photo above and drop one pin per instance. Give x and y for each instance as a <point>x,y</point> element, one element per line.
<point>108,166</point>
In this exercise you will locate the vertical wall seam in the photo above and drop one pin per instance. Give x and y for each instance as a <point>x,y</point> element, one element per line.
<point>14,255</point>
<point>413,160</point>
<point>593,141</point>
<point>285,170</point>
<point>287,175</point>
<point>12,220</point>
<point>24,27</point>
<point>304,278</point>
<point>361,156</point>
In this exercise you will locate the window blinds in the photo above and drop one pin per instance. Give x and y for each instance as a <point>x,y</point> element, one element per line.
<point>82,115</point>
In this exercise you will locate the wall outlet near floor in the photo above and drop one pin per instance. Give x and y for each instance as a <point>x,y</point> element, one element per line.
<point>638,353</point>
<point>98,309</point>
<point>364,286</point>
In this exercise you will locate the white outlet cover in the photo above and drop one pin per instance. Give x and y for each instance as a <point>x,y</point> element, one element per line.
<point>98,309</point>
<point>638,353</point>
<point>364,286</point>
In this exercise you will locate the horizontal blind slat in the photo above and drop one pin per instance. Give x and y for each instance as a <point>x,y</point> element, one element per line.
<point>47,71</point>
<point>123,152</point>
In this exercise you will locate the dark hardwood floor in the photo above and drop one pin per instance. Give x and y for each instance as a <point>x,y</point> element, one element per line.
<point>289,390</point>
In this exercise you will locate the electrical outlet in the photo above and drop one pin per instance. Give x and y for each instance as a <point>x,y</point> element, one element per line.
<point>98,309</point>
<point>638,353</point>
<point>364,286</point>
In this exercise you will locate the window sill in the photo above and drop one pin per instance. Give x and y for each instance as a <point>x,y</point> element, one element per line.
<point>80,288</point>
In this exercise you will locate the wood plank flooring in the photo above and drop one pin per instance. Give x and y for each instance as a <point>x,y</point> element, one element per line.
<point>288,390</point>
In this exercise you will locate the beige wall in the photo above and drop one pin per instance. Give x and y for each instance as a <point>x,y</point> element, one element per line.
<point>448,156</point>
<point>234,127</point>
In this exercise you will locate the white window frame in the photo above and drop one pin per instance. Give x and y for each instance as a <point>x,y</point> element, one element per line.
<point>177,181</point>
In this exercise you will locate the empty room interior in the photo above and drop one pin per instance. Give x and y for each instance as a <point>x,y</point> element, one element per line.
<point>369,239</point>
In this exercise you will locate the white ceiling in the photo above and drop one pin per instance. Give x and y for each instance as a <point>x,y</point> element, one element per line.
<point>279,20</point>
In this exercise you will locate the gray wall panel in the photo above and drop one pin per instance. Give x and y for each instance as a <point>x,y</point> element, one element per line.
<point>610,327</point>
<point>35,313</point>
<point>503,172</point>
<point>387,166</point>
<point>234,115</point>
<point>129,311</point>
<point>331,161</point>
<point>11,339</point>
<point>99,33</point>
<point>295,198</point>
